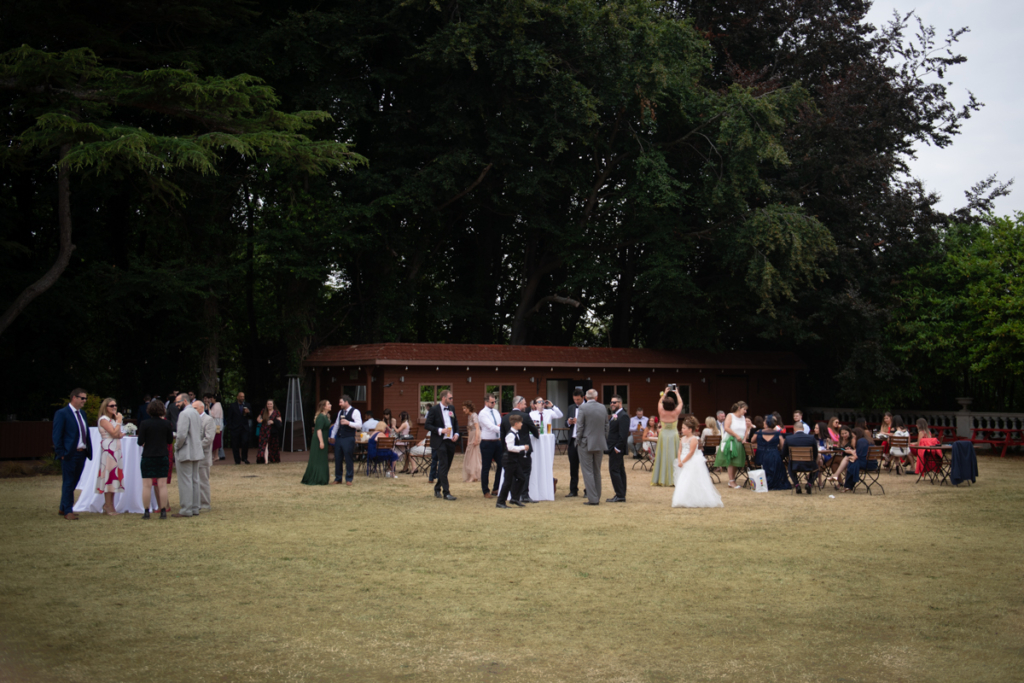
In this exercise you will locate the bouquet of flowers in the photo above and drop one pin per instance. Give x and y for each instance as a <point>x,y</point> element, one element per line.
<point>130,429</point>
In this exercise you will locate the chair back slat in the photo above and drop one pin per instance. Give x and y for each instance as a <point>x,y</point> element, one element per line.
<point>802,454</point>
<point>899,442</point>
<point>713,441</point>
<point>749,449</point>
<point>385,442</point>
<point>874,452</point>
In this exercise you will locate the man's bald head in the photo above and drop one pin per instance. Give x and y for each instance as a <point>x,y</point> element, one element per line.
<point>199,406</point>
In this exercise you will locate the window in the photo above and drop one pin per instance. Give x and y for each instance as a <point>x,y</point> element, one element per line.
<point>505,392</point>
<point>357,392</point>
<point>609,390</point>
<point>429,395</point>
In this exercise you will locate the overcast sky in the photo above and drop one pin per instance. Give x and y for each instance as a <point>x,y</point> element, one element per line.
<point>992,141</point>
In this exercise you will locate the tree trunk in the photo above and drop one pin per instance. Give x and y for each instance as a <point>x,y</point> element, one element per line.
<point>63,256</point>
<point>209,380</point>
<point>622,318</point>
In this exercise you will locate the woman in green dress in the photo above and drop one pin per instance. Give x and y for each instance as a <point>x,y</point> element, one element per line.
<point>318,471</point>
<point>665,453</point>
<point>731,453</point>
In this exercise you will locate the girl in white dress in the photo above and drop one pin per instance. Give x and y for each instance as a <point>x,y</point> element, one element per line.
<point>693,483</point>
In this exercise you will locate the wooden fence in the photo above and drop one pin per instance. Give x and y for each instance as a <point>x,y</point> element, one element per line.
<point>25,440</point>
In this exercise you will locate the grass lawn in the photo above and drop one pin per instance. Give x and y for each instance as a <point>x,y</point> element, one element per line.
<point>382,582</point>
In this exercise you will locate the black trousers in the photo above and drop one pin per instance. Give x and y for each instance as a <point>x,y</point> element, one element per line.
<point>513,464</point>
<point>443,456</point>
<point>617,472</point>
<point>574,467</point>
<point>240,445</point>
<point>490,451</point>
<point>527,467</point>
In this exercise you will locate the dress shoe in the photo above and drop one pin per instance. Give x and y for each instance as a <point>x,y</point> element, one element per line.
<point>516,503</point>
<point>246,462</point>
<point>587,502</point>
<point>486,495</point>
<point>449,496</point>
<point>71,516</point>
<point>334,482</point>
<point>501,505</point>
<point>494,492</point>
<point>572,495</point>
<point>437,494</point>
<point>615,499</point>
<point>527,499</point>
<point>348,483</point>
<point>430,481</point>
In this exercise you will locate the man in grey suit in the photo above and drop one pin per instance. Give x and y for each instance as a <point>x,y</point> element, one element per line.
<point>203,471</point>
<point>591,443</point>
<point>188,453</point>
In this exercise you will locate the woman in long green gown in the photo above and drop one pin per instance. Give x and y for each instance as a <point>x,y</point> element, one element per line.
<point>318,471</point>
<point>667,450</point>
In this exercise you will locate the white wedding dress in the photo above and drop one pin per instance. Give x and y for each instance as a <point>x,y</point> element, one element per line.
<point>693,484</point>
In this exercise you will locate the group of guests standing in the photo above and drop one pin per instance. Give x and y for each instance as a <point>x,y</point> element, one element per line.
<point>185,442</point>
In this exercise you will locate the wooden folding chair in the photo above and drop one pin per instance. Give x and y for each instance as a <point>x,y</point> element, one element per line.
<point>638,445</point>
<point>896,463</point>
<point>804,454</point>
<point>751,450</point>
<point>711,444</point>
<point>869,477</point>
<point>646,460</point>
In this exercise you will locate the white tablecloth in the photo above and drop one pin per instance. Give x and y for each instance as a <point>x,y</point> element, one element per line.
<point>131,499</point>
<point>542,453</point>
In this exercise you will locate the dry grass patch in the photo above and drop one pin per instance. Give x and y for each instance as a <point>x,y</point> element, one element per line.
<point>382,582</point>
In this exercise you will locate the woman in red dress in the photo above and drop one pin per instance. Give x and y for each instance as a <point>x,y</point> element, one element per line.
<point>927,461</point>
<point>270,441</point>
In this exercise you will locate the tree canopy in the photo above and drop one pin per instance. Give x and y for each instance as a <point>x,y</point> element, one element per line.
<point>251,180</point>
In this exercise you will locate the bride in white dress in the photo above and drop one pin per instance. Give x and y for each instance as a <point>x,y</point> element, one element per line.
<point>693,483</point>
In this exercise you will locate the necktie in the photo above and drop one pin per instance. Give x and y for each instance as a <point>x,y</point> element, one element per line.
<point>81,427</point>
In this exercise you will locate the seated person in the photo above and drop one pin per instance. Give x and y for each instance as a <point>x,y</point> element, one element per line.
<point>651,437</point>
<point>798,439</point>
<point>898,429</point>
<point>855,444</point>
<point>758,422</point>
<point>825,460</point>
<point>368,422</point>
<point>931,460</point>
<point>385,454</point>
<point>710,429</point>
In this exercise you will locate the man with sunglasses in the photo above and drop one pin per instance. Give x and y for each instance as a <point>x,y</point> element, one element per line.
<point>71,446</point>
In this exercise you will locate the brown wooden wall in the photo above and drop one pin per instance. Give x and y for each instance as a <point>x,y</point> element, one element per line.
<point>25,440</point>
<point>710,390</point>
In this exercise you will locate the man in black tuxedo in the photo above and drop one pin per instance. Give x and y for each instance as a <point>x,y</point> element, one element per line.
<point>237,418</point>
<point>618,433</point>
<point>443,427</point>
<point>574,454</point>
<point>796,440</point>
<point>525,462</point>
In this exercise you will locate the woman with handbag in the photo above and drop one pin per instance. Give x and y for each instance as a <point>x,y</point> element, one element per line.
<point>270,427</point>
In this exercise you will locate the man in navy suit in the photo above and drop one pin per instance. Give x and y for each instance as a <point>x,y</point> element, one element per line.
<point>71,445</point>
<point>800,439</point>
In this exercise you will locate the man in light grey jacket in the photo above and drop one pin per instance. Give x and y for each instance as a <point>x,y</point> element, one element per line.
<point>188,453</point>
<point>591,443</point>
<point>209,431</point>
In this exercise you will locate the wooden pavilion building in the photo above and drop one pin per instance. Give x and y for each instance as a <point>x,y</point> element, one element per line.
<point>410,376</point>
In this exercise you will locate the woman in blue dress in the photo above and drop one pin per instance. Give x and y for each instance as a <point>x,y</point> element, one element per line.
<point>769,443</point>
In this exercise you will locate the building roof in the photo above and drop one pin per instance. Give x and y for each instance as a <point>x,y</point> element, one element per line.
<point>480,355</point>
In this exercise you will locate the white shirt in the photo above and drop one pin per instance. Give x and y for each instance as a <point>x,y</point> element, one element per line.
<point>81,437</point>
<point>636,423</point>
<point>355,422</point>
<point>490,424</point>
<point>807,428</point>
<point>546,416</point>
<point>577,416</point>
<point>510,442</point>
<point>368,425</point>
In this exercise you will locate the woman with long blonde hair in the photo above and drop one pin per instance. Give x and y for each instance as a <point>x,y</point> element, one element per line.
<point>110,477</point>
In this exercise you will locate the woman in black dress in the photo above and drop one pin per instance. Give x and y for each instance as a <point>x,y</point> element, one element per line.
<point>155,435</point>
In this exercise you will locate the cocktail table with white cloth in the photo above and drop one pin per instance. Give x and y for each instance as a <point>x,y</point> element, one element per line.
<point>131,499</point>
<point>542,482</point>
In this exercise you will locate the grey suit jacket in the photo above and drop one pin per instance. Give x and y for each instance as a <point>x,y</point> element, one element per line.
<point>209,431</point>
<point>592,427</point>
<point>188,444</point>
